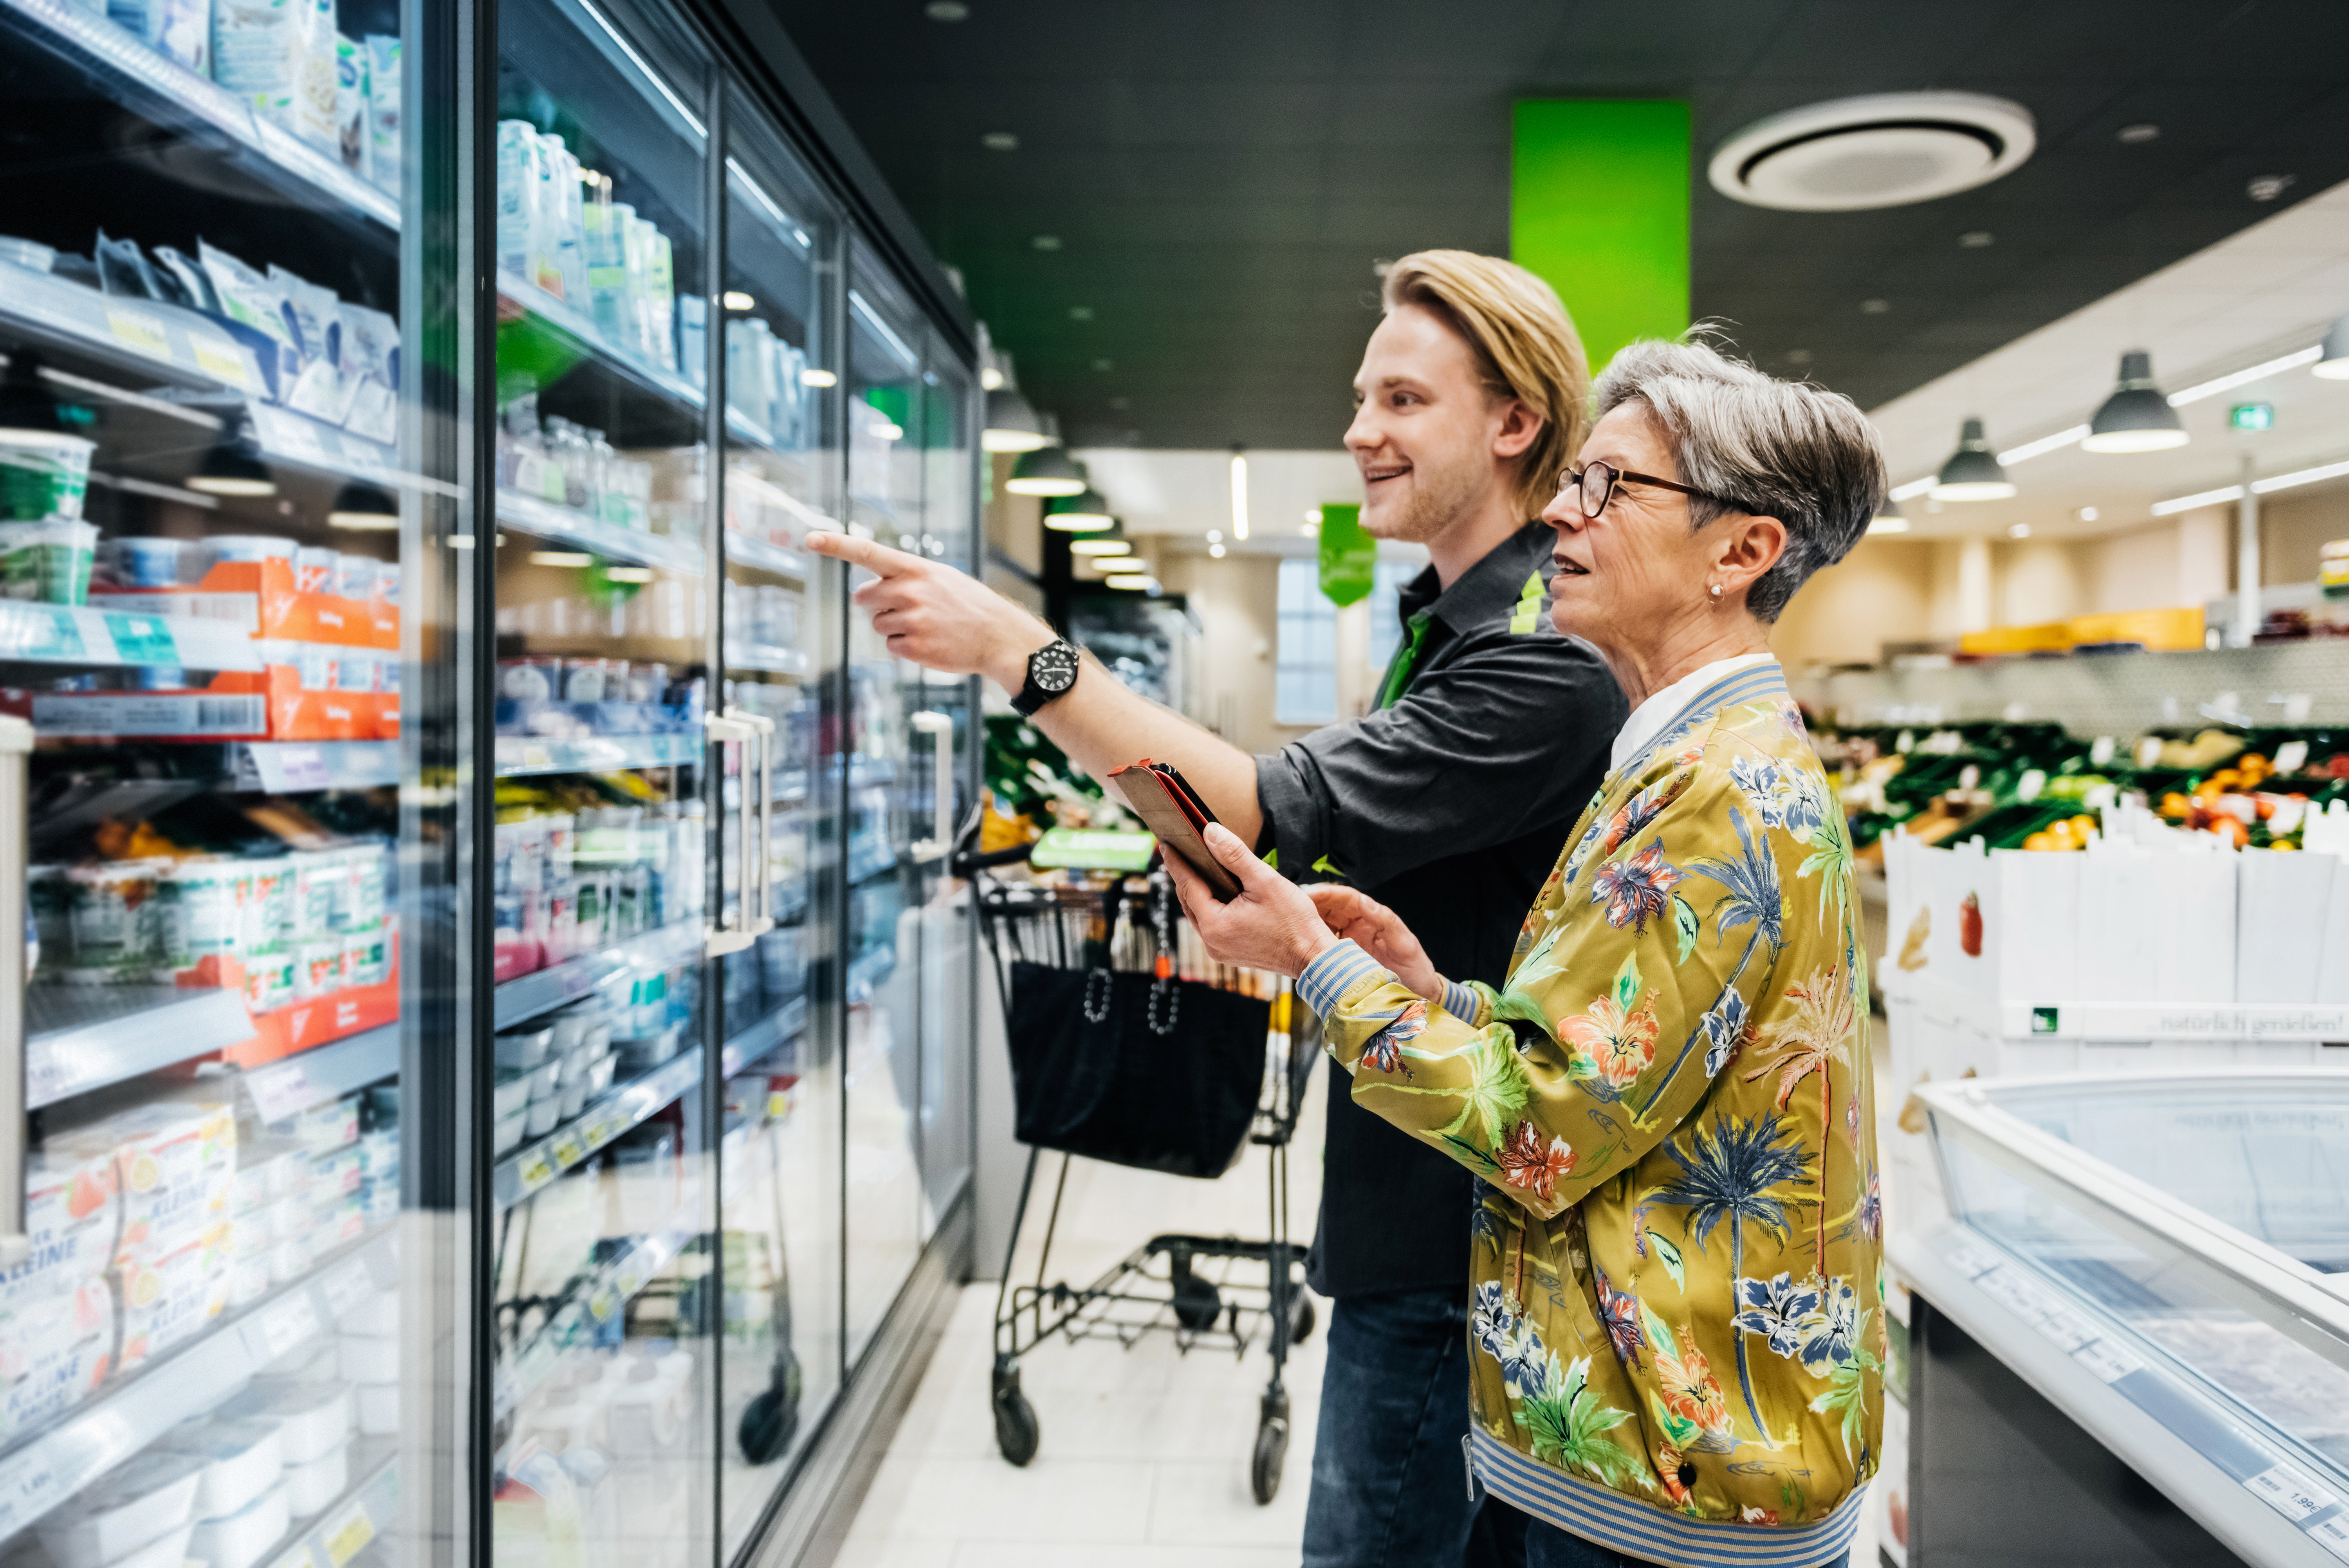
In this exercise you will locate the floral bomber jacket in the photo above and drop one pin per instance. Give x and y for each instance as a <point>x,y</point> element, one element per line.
<point>1677,1324</point>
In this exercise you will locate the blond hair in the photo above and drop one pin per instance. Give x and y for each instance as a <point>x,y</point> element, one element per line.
<point>1525,344</point>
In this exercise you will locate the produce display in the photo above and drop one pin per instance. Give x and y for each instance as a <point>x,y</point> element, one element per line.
<point>2033,785</point>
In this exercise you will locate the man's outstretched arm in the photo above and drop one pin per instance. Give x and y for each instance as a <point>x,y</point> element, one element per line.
<point>950,621</point>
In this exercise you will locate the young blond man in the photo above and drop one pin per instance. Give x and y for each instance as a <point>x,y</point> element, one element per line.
<point>1489,734</point>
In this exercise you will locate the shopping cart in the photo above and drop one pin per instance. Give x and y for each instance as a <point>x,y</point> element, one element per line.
<point>1129,1045</point>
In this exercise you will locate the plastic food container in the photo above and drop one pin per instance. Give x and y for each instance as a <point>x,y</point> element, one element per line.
<point>142,561</point>
<point>289,1259</point>
<point>311,1487</point>
<point>379,1409</point>
<point>545,1079</point>
<point>647,1049</point>
<point>599,1074</point>
<point>571,1026</point>
<point>168,1552</point>
<point>512,1094</point>
<point>314,569</point>
<point>241,1461</point>
<point>150,1496</point>
<point>508,1132</point>
<point>312,1417</point>
<point>223,547</point>
<point>524,1047</point>
<point>48,561</point>
<point>355,576</point>
<point>542,1117</point>
<point>240,1540</point>
<point>248,1280</point>
<point>42,474</point>
<point>573,1096</point>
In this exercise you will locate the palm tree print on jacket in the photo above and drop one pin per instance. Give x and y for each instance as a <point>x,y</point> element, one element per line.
<point>1668,1104</point>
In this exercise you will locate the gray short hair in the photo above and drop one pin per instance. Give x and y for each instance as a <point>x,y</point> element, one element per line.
<point>1787,450</point>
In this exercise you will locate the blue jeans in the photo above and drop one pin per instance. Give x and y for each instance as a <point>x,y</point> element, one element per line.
<point>1389,1488</point>
<point>1547,1546</point>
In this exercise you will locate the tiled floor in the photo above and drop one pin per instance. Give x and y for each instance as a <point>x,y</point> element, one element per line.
<point>1143,1462</point>
<point>1144,1457</point>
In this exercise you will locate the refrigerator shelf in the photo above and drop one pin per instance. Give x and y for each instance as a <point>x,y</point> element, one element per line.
<point>520,754</point>
<point>745,550</point>
<point>569,321</point>
<point>541,1161</point>
<point>610,1289</point>
<point>57,1459</point>
<point>343,1528</point>
<point>528,996</point>
<point>61,634</point>
<point>329,1072</point>
<point>144,337</point>
<point>767,656</point>
<point>147,78</point>
<point>84,1037</point>
<point>291,767</point>
<point>568,526</point>
<point>786,1023</point>
<point>287,437</point>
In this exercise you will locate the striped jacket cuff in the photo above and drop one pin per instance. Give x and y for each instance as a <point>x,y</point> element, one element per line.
<point>1460,1002</point>
<point>1331,976</point>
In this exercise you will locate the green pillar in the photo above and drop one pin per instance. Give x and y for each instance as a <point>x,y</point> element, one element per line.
<point>1598,206</point>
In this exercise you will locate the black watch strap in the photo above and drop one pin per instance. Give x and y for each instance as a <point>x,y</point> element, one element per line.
<point>1051,672</point>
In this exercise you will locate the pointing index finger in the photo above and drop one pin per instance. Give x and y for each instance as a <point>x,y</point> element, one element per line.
<point>873,555</point>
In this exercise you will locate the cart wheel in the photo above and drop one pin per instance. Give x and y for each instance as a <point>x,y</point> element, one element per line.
<point>1017,1433</point>
<point>1271,1449</point>
<point>1301,1321</point>
<point>1196,1302</point>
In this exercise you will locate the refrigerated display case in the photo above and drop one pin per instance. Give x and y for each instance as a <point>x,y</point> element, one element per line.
<point>429,756</point>
<point>2161,1256</point>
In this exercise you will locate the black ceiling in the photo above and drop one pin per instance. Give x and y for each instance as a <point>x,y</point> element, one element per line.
<point>1221,176</point>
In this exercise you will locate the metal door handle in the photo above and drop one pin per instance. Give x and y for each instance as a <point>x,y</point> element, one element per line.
<point>732,933</point>
<point>16,746</point>
<point>940,728</point>
<point>762,853</point>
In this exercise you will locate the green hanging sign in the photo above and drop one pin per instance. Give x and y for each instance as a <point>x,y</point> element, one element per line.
<point>1350,558</point>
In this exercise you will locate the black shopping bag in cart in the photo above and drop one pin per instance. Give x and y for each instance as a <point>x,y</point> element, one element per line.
<point>1161,1074</point>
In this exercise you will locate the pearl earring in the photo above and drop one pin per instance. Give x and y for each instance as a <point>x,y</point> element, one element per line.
<point>1717,591</point>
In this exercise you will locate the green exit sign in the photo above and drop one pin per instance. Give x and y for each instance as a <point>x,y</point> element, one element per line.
<point>2252,416</point>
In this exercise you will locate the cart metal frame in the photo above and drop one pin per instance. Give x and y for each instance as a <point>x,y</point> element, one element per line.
<point>1252,1288</point>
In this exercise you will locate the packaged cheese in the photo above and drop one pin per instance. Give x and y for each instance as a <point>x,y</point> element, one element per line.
<point>54,1355</point>
<point>71,1211</point>
<point>174,1296</point>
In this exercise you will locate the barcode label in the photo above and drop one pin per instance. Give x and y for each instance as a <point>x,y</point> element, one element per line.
<point>2333,1535</point>
<point>286,1326</point>
<point>244,714</point>
<point>2290,1492</point>
<point>28,1489</point>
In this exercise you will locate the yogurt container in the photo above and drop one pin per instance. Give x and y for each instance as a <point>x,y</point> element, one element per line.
<point>314,569</point>
<point>241,1461</point>
<point>200,909</point>
<point>241,1538</point>
<point>311,1487</point>
<point>379,1409</point>
<point>269,978</point>
<point>145,561</point>
<point>512,1094</point>
<point>319,972</point>
<point>354,575</point>
<point>151,1497</point>
<point>365,957</point>
<point>167,1550</point>
<point>525,1047</point>
<point>313,1416</point>
<point>42,474</point>
<point>542,1117</point>
<point>508,1133</point>
<point>221,548</point>
<point>46,561</point>
<point>109,919</point>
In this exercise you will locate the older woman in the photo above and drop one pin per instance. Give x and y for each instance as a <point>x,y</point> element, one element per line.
<point>1677,1329</point>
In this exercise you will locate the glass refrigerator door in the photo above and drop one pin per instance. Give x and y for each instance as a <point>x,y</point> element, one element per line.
<point>948,725</point>
<point>600,1203</point>
<point>888,755</point>
<point>780,1171</point>
<point>200,1098</point>
<point>2185,1238</point>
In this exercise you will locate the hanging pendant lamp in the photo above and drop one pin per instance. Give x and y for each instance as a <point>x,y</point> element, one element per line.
<point>1972,473</point>
<point>2137,417</point>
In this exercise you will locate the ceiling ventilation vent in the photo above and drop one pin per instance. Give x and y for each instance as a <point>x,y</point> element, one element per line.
<point>1886,150</point>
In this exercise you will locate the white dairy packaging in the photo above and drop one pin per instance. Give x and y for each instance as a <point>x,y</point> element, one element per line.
<point>517,194</point>
<point>313,118</point>
<point>289,1259</point>
<point>249,1280</point>
<point>71,1211</point>
<point>178,30</point>
<point>239,1538</point>
<point>241,1459</point>
<point>312,1486</point>
<point>177,1163</point>
<point>373,1314</point>
<point>341,1221</point>
<point>311,1416</point>
<point>369,1358</point>
<point>167,1550</point>
<point>255,50</point>
<point>383,119</point>
<point>174,1296</point>
<point>150,1496</point>
<point>54,1354</point>
<point>199,911</point>
<point>379,1409</point>
<point>325,1129</point>
<point>335,1175</point>
<point>351,103</point>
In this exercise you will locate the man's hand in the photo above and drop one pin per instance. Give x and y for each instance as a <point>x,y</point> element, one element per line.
<point>1271,925</point>
<point>1378,931</point>
<point>938,618</point>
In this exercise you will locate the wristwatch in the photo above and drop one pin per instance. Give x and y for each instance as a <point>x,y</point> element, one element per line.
<point>1051,671</point>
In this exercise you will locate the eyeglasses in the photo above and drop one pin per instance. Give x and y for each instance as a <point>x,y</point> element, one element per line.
<point>1597,482</point>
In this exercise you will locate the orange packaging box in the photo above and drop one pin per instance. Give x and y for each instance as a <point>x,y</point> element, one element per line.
<point>260,596</point>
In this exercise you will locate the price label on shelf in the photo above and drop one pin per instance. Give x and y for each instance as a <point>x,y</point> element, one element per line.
<point>605,1131</point>
<point>2107,1360</point>
<point>141,639</point>
<point>28,1489</point>
<point>348,1533</point>
<point>2018,1294</point>
<point>227,365</point>
<point>43,634</point>
<point>567,1152</point>
<point>2333,1535</point>
<point>2290,1492</point>
<point>298,1558</point>
<point>139,330</point>
<point>280,1090</point>
<point>1970,1261</point>
<point>2066,1328</point>
<point>288,1323</point>
<point>604,1304</point>
<point>536,1171</point>
<point>347,1286</point>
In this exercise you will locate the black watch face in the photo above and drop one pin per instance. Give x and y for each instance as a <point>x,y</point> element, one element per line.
<point>1054,669</point>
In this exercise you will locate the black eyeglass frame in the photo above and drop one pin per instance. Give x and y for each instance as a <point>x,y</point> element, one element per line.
<point>1617,476</point>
